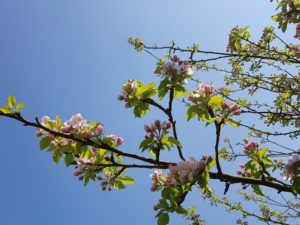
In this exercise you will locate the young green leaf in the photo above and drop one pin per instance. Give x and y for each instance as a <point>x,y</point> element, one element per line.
<point>163,219</point>
<point>11,101</point>
<point>127,180</point>
<point>5,110</point>
<point>57,156</point>
<point>20,106</point>
<point>44,143</point>
<point>69,159</point>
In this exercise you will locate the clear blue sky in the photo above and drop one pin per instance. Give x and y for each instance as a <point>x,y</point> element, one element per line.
<point>61,57</point>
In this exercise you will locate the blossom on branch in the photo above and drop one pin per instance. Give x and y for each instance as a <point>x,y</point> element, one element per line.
<point>291,169</point>
<point>176,67</point>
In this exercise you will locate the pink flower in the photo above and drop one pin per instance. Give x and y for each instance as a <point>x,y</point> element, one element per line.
<point>297,53</point>
<point>87,134</point>
<point>233,107</point>
<point>290,169</point>
<point>176,66</point>
<point>46,119</point>
<point>166,125</point>
<point>66,129</point>
<point>147,128</point>
<point>224,105</point>
<point>157,124</point>
<point>156,179</point>
<point>185,68</point>
<point>206,89</point>
<point>185,172</point>
<point>250,147</point>
<point>119,140</point>
<point>297,35</point>
<point>99,129</point>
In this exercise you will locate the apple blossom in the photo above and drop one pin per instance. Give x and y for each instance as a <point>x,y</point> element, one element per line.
<point>176,67</point>
<point>250,147</point>
<point>290,170</point>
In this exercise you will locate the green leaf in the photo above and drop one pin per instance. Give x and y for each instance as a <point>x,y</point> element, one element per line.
<point>215,102</point>
<point>191,112</point>
<point>57,156</point>
<point>203,181</point>
<point>11,101</point>
<point>88,176</point>
<point>146,144</point>
<point>174,141</point>
<point>158,70</point>
<point>57,121</point>
<point>162,92</point>
<point>69,159</point>
<point>5,110</point>
<point>127,180</point>
<point>178,91</point>
<point>211,164</point>
<point>181,210</point>
<point>163,219</point>
<point>20,106</point>
<point>262,152</point>
<point>296,185</point>
<point>167,193</point>
<point>119,185</point>
<point>44,143</point>
<point>232,122</point>
<point>141,109</point>
<point>257,190</point>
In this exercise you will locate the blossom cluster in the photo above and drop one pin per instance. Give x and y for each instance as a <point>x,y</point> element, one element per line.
<point>201,91</point>
<point>81,164</point>
<point>77,126</point>
<point>183,173</point>
<point>157,126</point>
<point>128,88</point>
<point>245,172</point>
<point>290,169</point>
<point>232,108</point>
<point>250,147</point>
<point>297,35</point>
<point>106,179</point>
<point>177,67</point>
<point>186,171</point>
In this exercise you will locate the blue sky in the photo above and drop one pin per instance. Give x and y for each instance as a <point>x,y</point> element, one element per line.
<point>62,57</point>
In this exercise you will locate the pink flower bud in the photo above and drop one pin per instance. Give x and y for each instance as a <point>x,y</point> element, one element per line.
<point>246,151</point>
<point>66,129</point>
<point>239,173</point>
<point>78,173</point>
<point>100,129</point>
<point>175,58</point>
<point>126,105</point>
<point>237,112</point>
<point>39,132</point>
<point>241,165</point>
<point>120,98</point>
<point>46,119</point>
<point>157,124</point>
<point>224,105</point>
<point>202,164</point>
<point>87,134</point>
<point>147,128</point>
<point>119,140</point>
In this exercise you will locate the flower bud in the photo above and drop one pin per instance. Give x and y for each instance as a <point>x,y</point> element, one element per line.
<point>157,124</point>
<point>119,140</point>
<point>147,128</point>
